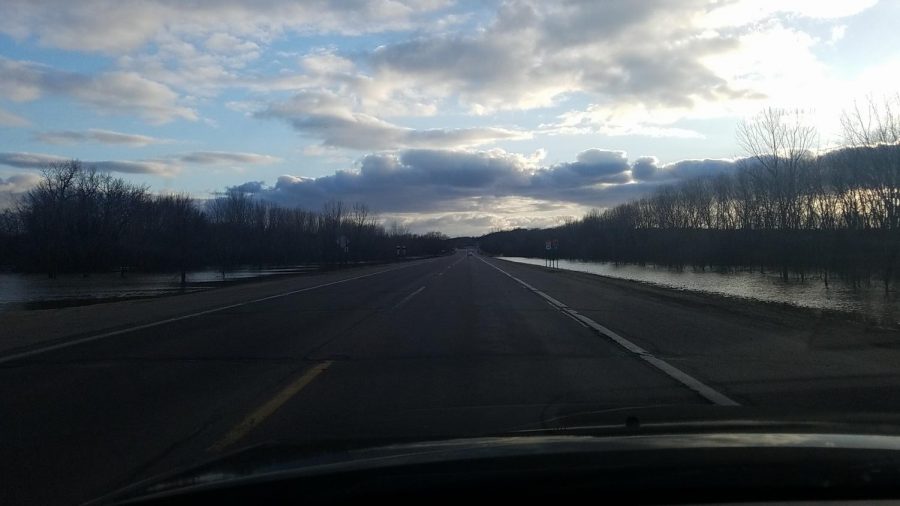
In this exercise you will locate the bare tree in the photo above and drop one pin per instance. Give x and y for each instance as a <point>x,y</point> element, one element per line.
<point>781,145</point>
<point>873,132</point>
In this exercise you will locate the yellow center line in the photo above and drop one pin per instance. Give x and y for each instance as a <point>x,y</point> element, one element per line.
<point>266,410</point>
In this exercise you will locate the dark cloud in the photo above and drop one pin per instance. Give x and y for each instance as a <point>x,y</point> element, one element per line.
<point>152,167</point>
<point>94,135</point>
<point>644,168</point>
<point>39,160</point>
<point>226,157</point>
<point>423,180</point>
<point>590,167</point>
<point>648,169</point>
<point>249,187</point>
<point>28,160</point>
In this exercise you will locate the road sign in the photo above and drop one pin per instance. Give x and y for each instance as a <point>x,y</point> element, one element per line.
<point>555,243</point>
<point>343,242</point>
<point>547,245</point>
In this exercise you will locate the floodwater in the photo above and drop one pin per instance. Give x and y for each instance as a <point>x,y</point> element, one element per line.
<point>39,291</point>
<point>869,301</point>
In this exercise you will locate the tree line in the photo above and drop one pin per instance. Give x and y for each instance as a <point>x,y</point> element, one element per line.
<point>785,208</point>
<point>79,220</point>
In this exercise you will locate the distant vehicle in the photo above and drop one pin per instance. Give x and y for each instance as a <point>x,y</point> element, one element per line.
<point>469,252</point>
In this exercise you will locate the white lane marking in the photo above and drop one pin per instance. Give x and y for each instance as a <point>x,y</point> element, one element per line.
<point>66,344</point>
<point>451,266</point>
<point>673,372</point>
<point>405,299</point>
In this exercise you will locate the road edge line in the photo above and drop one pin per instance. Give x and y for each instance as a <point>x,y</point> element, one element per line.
<point>704,390</point>
<point>96,337</point>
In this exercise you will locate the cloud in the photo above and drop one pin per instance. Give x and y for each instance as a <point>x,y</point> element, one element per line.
<point>535,53</point>
<point>647,168</point>
<point>120,26</point>
<point>19,182</point>
<point>642,66</point>
<point>432,180</point>
<point>163,168</point>
<point>622,119</point>
<point>591,167</point>
<point>226,157</point>
<point>249,187</point>
<point>8,119</point>
<point>114,92</point>
<point>497,217</point>
<point>95,135</point>
<point>471,192</point>
<point>29,160</point>
<point>13,186</point>
<point>678,59</point>
<point>324,116</point>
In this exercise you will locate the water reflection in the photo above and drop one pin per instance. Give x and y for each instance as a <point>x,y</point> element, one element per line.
<point>39,291</point>
<point>869,301</point>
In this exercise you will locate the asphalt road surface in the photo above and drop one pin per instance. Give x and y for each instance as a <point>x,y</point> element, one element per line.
<point>447,347</point>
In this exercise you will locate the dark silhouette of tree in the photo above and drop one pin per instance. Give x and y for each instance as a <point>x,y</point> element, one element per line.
<point>80,220</point>
<point>784,207</point>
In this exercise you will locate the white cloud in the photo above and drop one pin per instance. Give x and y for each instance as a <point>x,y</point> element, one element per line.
<point>97,135</point>
<point>18,183</point>
<point>622,119</point>
<point>748,11</point>
<point>9,119</point>
<point>535,53</point>
<point>121,26</point>
<point>13,186</point>
<point>324,116</point>
<point>128,92</point>
<point>499,214</point>
<point>225,43</point>
<point>110,92</point>
<point>662,59</point>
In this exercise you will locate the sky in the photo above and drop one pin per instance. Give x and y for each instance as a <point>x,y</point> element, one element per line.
<point>458,116</point>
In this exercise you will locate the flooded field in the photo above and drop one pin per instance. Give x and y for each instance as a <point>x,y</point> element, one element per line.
<point>39,291</point>
<point>813,293</point>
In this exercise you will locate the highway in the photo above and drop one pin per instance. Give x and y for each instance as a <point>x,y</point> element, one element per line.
<point>446,347</point>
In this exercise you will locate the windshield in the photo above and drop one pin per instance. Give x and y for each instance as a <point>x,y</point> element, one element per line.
<point>338,224</point>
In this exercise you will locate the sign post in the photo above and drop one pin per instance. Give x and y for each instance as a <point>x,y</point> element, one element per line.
<point>555,255</point>
<point>551,247</point>
<point>344,244</point>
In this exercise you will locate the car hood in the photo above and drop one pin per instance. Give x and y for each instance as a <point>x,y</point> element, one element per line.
<point>279,461</point>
